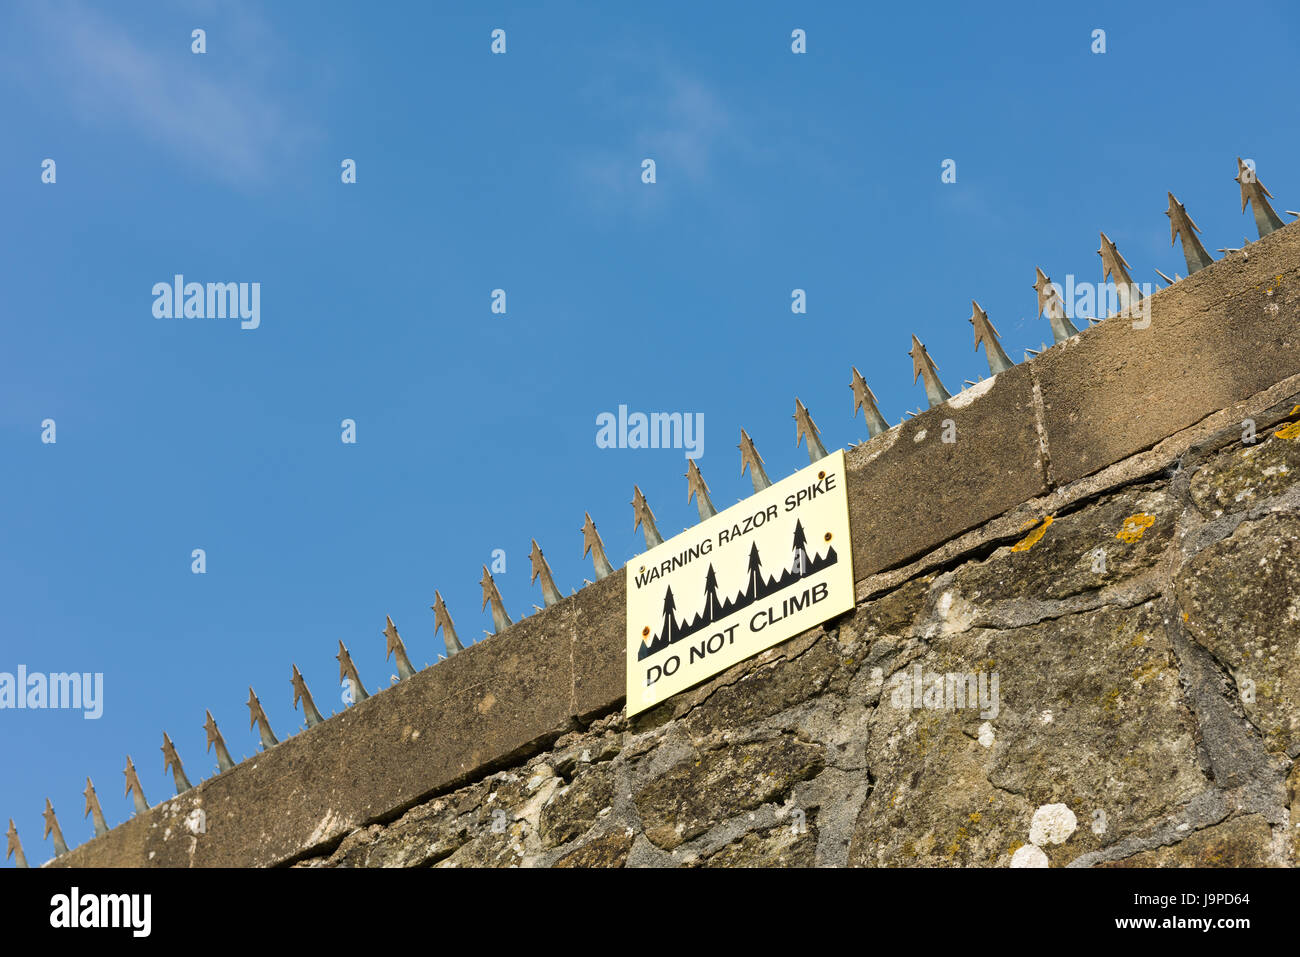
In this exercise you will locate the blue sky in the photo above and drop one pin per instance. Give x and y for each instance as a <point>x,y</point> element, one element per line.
<point>522,172</point>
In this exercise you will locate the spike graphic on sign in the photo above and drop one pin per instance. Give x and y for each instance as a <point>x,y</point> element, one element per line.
<point>52,827</point>
<point>698,490</point>
<point>224,762</point>
<point>1254,193</point>
<point>442,619</point>
<point>750,459</point>
<point>591,543</point>
<point>348,672</point>
<point>500,620</point>
<point>397,649</point>
<point>94,811</point>
<point>540,569</point>
<point>804,427</point>
<point>865,399</point>
<point>923,367</point>
<point>1182,226</point>
<point>172,762</point>
<point>644,519</point>
<point>256,716</point>
<point>986,334</point>
<point>133,787</point>
<point>13,846</point>
<point>1115,267</point>
<point>300,693</point>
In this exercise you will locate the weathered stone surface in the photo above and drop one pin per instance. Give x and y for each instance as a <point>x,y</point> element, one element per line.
<point>1106,542</point>
<point>1240,478</point>
<point>909,490</point>
<point>784,846</point>
<point>1241,842</point>
<point>1114,390</point>
<point>1090,715</point>
<point>697,793</point>
<point>611,850</point>
<point>1240,599</point>
<point>576,807</point>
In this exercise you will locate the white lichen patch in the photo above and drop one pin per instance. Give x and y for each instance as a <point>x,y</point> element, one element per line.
<point>986,736</point>
<point>919,437</point>
<point>1029,856</point>
<point>966,396</point>
<point>1052,824</point>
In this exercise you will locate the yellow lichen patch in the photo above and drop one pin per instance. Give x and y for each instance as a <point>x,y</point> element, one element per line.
<point>1147,672</point>
<point>1030,540</point>
<point>1289,431</point>
<point>1134,526</point>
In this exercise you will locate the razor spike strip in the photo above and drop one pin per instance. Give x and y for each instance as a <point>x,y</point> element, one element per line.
<point>133,787</point>
<point>591,543</point>
<point>804,427</point>
<point>865,399</point>
<point>224,761</point>
<point>1254,193</point>
<point>500,620</point>
<point>52,827</point>
<point>750,459</point>
<point>645,519</point>
<point>300,693</point>
<point>14,847</point>
<point>442,619</point>
<point>540,569</point>
<point>348,672</point>
<point>1049,301</point>
<point>256,716</point>
<point>985,333</point>
<point>172,762</point>
<point>923,367</point>
<point>1115,266</point>
<point>93,810</point>
<point>1182,226</point>
<point>697,489</point>
<point>397,648</point>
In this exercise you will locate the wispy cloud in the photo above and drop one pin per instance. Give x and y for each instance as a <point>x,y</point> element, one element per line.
<point>209,111</point>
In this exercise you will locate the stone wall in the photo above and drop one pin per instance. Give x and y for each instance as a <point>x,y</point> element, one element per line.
<point>1146,646</point>
<point>1147,698</point>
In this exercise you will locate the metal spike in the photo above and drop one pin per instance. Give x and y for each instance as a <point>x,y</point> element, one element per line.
<point>698,490</point>
<point>591,543</point>
<point>865,399</point>
<point>804,427</point>
<point>1050,301</point>
<point>500,620</point>
<point>924,367</point>
<point>396,648</point>
<point>52,827</point>
<point>645,519</point>
<point>1115,266</point>
<point>94,811</point>
<point>986,334</point>
<point>172,762</point>
<point>1165,278</point>
<point>1181,225</point>
<point>348,672</point>
<point>256,716</point>
<point>750,459</point>
<point>300,693</point>
<point>224,762</point>
<point>13,846</point>
<point>1291,212</point>
<point>1253,192</point>
<point>550,594</point>
<point>442,619</point>
<point>133,787</point>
